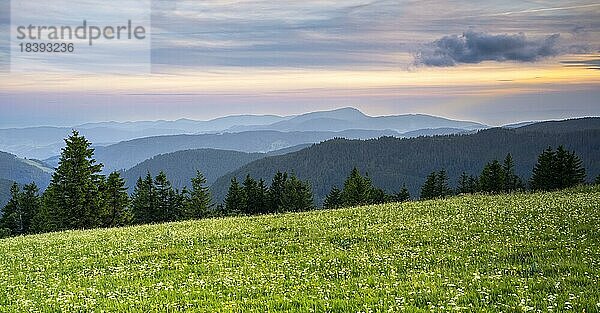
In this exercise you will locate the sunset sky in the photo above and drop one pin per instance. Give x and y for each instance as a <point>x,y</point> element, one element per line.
<point>495,62</point>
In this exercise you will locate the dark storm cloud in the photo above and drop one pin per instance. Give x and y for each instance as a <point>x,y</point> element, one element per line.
<point>476,47</point>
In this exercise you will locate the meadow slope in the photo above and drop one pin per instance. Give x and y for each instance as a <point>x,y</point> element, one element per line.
<point>508,253</point>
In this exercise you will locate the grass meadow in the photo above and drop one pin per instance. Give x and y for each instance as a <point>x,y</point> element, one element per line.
<point>537,252</point>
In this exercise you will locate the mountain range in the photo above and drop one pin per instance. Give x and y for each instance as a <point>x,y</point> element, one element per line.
<point>396,150</point>
<point>22,171</point>
<point>350,118</point>
<point>181,166</point>
<point>394,162</point>
<point>46,142</point>
<point>126,154</point>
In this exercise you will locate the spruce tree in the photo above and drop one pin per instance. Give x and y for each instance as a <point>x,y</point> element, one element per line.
<point>557,170</point>
<point>74,195</point>
<point>19,213</point>
<point>276,193</point>
<point>12,214</point>
<point>403,195</point>
<point>298,195</point>
<point>428,190</point>
<point>143,200</point>
<point>512,182</point>
<point>463,184</point>
<point>569,169</point>
<point>44,220</point>
<point>544,171</point>
<point>31,203</point>
<point>467,184</point>
<point>116,201</point>
<point>492,178</point>
<point>357,189</point>
<point>378,196</point>
<point>334,199</point>
<point>235,202</point>
<point>167,200</point>
<point>197,201</point>
<point>263,192</point>
<point>442,188</point>
<point>255,196</point>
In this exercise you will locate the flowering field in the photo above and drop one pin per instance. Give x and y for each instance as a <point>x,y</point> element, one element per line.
<point>509,253</point>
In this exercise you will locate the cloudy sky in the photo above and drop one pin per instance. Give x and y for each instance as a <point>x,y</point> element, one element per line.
<point>491,61</point>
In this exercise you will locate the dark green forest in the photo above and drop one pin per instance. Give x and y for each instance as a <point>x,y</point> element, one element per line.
<point>181,166</point>
<point>80,196</point>
<point>394,162</point>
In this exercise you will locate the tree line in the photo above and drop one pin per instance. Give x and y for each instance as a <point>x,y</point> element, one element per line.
<point>80,197</point>
<point>554,170</point>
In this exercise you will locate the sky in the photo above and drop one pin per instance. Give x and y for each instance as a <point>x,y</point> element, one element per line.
<point>495,62</point>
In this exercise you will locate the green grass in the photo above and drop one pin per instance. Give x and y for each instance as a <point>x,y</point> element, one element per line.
<point>508,253</point>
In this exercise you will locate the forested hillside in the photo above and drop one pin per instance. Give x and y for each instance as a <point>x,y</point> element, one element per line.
<point>126,154</point>
<point>4,191</point>
<point>392,162</point>
<point>181,166</point>
<point>551,127</point>
<point>23,171</point>
<point>14,169</point>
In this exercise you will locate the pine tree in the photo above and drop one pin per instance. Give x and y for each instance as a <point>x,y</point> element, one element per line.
<point>74,195</point>
<point>597,181</point>
<point>19,215</point>
<point>276,193</point>
<point>403,195</point>
<point>298,195</point>
<point>378,196</point>
<point>492,178</point>
<point>463,184</point>
<point>167,205</point>
<point>234,201</point>
<point>12,214</point>
<point>436,186</point>
<point>198,201</point>
<point>543,177</point>
<point>557,170</point>
<point>334,199</point>
<point>512,182</point>
<point>428,190</point>
<point>143,200</point>
<point>44,220</point>
<point>116,201</point>
<point>569,169</point>
<point>357,189</point>
<point>31,203</point>
<point>467,184</point>
<point>263,192</point>
<point>442,188</point>
<point>255,196</point>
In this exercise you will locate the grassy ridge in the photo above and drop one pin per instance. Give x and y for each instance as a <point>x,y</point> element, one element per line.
<point>508,253</point>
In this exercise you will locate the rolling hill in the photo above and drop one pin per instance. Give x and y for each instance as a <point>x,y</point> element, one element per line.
<point>46,142</point>
<point>392,162</point>
<point>476,253</point>
<point>562,126</point>
<point>22,171</point>
<point>181,166</point>
<point>126,154</point>
<point>351,118</point>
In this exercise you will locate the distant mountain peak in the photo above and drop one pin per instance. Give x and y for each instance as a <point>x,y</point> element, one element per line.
<point>347,113</point>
